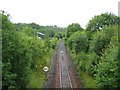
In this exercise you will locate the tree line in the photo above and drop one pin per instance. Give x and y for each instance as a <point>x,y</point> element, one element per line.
<point>95,50</point>
<point>24,55</point>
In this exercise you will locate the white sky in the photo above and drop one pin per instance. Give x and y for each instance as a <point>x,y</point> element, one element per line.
<point>57,12</point>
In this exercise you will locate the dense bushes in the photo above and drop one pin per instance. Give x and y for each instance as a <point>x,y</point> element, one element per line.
<point>96,50</point>
<point>102,38</point>
<point>71,40</point>
<point>107,72</point>
<point>78,42</point>
<point>7,76</point>
<point>23,55</point>
<point>81,43</point>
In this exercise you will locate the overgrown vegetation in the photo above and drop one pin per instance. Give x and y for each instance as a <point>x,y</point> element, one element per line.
<point>24,55</point>
<point>95,50</point>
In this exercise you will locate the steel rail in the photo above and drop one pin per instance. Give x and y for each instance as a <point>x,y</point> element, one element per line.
<point>66,66</point>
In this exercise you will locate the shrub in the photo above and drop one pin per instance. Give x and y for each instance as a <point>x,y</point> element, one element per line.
<point>101,40</point>
<point>107,72</point>
<point>81,43</point>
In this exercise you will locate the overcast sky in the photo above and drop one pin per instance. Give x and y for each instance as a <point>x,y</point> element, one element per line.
<point>57,12</point>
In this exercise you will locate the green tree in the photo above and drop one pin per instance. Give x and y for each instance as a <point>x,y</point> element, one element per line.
<point>100,21</point>
<point>72,28</point>
<point>8,34</point>
<point>101,39</point>
<point>107,72</point>
<point>81,43</point>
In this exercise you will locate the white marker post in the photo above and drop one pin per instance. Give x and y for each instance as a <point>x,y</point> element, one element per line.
<point>46,69</point>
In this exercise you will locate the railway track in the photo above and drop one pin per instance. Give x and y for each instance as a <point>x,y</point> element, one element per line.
<point>62,73</point>
<point>65,80</point>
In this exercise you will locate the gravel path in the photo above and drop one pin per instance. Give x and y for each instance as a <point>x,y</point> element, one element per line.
<point>62,72</point>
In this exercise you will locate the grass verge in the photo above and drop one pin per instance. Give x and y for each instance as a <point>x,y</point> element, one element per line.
<point>38,77</point>
<point>87,81</point>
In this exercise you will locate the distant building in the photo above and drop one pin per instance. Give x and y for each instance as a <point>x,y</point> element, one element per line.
<point>41,35</point>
